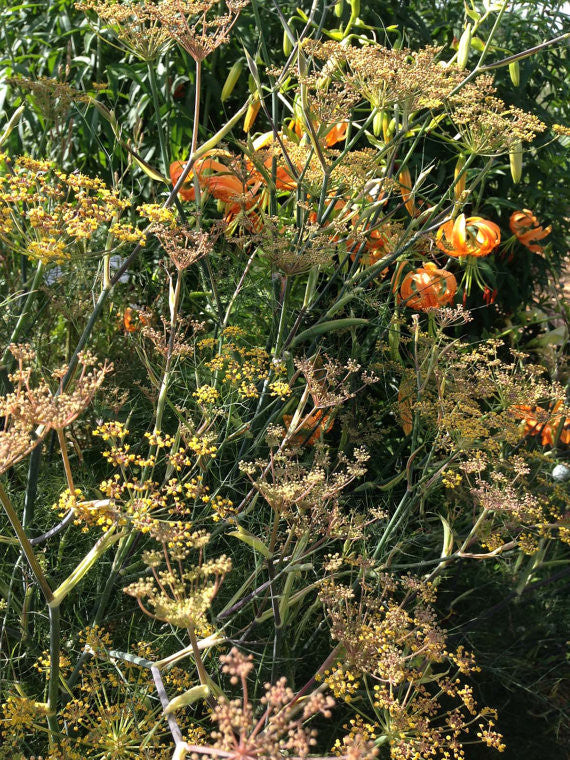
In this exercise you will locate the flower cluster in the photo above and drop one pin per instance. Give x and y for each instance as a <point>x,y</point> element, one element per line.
<point>32,410</point>
<point>307,496</point>
<point>281,727</point>
<point>391,639</point>
<point>60,210</point>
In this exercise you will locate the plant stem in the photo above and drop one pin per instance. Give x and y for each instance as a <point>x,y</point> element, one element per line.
<point>53,686</point>
<point>160,130</point>
<point>202,674</point>
<point>175,302</point>
<point>66,464</point>
<point>25,545</point>
<point>31,486</point>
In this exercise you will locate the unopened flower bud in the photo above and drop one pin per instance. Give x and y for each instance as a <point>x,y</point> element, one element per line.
<point>287,44</point>
<point>251,114</point>
<point>405,180</point>
<point>516,162</point>
<point>463,49</point>
<point>377,122</point>
<point>460,178</point>
<point>231,80</point>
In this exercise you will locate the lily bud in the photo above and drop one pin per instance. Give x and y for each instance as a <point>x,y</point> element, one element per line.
<point>339,8</point>
<point>459,187</point>
<point>405,180</point>
<point>388,128</point>
<point>354,8</point>
<point>231,80</point>
<point>251,115</point>
<point>377,122</point>
<point>515,73</point>
<point>516,162</point>
<point>463,48</point>
<point>287,44</point>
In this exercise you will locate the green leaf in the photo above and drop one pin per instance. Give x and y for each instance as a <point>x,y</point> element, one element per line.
<point>329,326</point>
<point>251,540</point>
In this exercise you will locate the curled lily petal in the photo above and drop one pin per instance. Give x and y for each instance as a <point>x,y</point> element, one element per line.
<point>525,226</point>
<point>428,288</point>
<point>459,233</point>
<point>472,236</point>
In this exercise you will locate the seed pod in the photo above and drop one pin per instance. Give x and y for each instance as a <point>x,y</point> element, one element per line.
<point>231,80</point>
<point>516,162</point>
<point>463,49</point>
<point>515,73</point>
<point>339,8</point>
<point>459,187</point>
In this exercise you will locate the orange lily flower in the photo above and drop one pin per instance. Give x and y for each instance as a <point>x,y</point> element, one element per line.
<point>312,428</point>
<point>525,226</point>
<point>428,288</point>
<point>187,191</point>
<point>336,134</point>
<point>333,136</point>
<point>539,421</point>
<point>133,320</point>
<point>473,236</point>
<point>228,188</point>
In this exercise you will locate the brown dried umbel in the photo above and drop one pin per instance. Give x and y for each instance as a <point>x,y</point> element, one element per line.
<point>184,245</point>
<point>51,97</point>
<point>292,251</point>
<point>383,76</point>
<point>308,496</point>
<point>182,343</point>
<point>146,28</point>
<point>189,24</point>
<point>487,125</point>
<point>390,639</point>
<point>133,24</point>
<point>31,411</point>
<point>280,730</point>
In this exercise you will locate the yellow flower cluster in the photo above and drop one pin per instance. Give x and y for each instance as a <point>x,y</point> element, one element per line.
<point>157,214</point>
<point>42,664</point>
<point>244,368</point>
<point>451,479</point>
<point>280,388</point>
<point>202,446</point>
<point>159,440</point>
<point>342,682</point>
<point>111,430</point>
<point>59,210</point>
<point>48,251</point>
<point>223,508</point>
<point>126,233</point>
<point>206,394</point>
